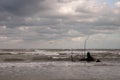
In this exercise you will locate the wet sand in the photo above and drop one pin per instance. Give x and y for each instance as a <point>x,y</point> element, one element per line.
<point>59,71</point>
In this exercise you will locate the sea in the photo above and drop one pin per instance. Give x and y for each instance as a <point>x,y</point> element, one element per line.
<point>107,69</point>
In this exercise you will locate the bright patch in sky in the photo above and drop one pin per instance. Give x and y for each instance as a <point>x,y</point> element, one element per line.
<point>109,2</point>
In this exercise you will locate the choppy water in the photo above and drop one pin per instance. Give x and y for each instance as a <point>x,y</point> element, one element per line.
<point>108,69</point>
<point>59,71</point>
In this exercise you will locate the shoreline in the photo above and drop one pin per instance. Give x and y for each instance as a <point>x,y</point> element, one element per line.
<point>59,71</point>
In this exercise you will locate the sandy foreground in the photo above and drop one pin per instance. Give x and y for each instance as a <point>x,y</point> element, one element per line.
<point>59,71</point>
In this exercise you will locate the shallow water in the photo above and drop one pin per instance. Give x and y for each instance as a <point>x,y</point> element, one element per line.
<point>59,71</point>
<point>108,69</point>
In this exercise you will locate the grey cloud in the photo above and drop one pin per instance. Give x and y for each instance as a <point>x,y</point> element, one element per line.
<point>45,23</point>
<point>20,7</point>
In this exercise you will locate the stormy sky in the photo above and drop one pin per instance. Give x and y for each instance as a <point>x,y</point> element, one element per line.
<point>59,23</point>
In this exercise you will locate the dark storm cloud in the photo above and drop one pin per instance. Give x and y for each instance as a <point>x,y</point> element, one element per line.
<point>22,7</point>
<point>14,12</point>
